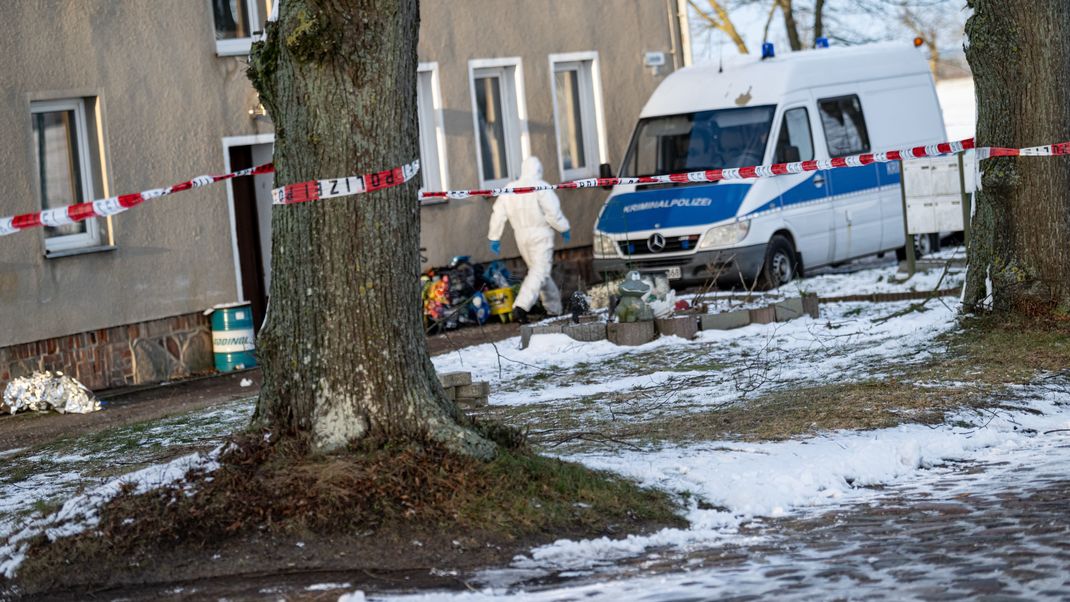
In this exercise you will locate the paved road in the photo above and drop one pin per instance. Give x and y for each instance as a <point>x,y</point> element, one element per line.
<point>990,532</point>
<point>1007,543</point>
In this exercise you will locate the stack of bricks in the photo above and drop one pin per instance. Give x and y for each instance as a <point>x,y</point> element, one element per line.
<point>460,389</point>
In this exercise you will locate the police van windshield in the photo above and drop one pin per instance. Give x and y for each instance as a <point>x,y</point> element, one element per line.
<point>699,141</point>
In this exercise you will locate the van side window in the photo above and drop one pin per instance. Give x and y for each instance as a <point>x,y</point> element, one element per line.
<point>845,126</point>
<point>796,141</point>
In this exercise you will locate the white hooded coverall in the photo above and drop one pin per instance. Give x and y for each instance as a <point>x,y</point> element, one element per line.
<point>534,217</point>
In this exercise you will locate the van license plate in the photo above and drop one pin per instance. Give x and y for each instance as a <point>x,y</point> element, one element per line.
<point>674,273</point>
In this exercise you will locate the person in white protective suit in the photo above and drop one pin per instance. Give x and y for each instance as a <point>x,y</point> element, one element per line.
<point>535,217</point>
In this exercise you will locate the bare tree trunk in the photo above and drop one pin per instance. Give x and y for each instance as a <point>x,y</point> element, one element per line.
<point>790,25</point>
<point>1020,232</point>
<point>343,350</point>
<point>819,20</point>
<point>769,21</point>
<point>720,20</point>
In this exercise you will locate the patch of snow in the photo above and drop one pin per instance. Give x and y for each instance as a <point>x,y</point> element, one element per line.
<point>324,587</point>
<point>246,382</point>
<point>775,479</point>
<point>848,341</point>
<point>80,512</point>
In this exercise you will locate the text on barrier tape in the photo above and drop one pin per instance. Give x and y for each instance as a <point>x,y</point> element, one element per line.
<point>327,189</point>
<point>305,191</point>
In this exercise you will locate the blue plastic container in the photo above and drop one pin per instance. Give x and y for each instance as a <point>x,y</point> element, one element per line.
<point>233,338</point>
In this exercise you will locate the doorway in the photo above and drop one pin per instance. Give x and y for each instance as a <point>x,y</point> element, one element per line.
<point>251,224</point>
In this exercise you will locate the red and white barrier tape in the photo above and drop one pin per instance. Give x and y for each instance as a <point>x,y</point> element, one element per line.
<point>293,193</point>
<point>77,212</point>
<point>768,171</point>
<point>326,189</point>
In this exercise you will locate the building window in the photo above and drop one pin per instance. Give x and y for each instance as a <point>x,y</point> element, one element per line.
<point>235,23</point>
<point>845,126</point>
<point>432,134</point>
<point>61,140</point>
<point>499,114</point>
<point>577,104</point>
<point>795,142</point>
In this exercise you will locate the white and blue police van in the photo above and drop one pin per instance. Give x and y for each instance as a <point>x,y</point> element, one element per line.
<point>814,104</point>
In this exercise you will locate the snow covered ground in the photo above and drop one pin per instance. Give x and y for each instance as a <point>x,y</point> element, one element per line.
<point>731,489</point>
<point>592,383</point>
<point>62,483</point>
<point>732,486</point>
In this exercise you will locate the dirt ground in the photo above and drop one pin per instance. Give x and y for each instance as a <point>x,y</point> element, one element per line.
<point>288,568</point>
<point>141,404</point>
<point>128,406</point>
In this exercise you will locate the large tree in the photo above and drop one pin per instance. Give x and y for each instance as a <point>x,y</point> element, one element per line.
<point>1019,251</point>
<point>343,350</point>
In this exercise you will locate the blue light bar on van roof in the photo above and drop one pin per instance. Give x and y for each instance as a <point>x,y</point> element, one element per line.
<point>768,51</point>
<point>821,43</point>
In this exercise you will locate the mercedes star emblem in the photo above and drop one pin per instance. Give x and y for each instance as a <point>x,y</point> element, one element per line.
<point>656,243</point>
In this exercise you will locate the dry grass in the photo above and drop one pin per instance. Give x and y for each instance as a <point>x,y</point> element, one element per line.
<point>981,359</point>
<point>807,410</point>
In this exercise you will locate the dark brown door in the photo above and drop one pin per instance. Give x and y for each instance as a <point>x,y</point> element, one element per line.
<point>248,233</point>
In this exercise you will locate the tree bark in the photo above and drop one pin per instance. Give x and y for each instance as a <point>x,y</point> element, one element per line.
<point>343,350</point>
<point>1020,231</point>
<point>790,25</point>
<point>819,20</point>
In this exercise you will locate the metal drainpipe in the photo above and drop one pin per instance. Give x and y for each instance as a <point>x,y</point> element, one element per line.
<point>685,32</point>
<point>672,34</point>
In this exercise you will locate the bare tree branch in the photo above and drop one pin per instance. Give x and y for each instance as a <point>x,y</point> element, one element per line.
<point>720,22</point>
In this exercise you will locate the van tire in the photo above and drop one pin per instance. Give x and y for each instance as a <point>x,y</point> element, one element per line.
<point>781,264</point>
<point>930,245</point>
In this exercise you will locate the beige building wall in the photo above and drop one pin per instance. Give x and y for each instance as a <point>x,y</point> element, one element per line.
<point>454,31</point>
<point>165,103</point>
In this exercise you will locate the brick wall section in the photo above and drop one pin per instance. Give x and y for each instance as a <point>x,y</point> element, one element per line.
<point>122,355</point>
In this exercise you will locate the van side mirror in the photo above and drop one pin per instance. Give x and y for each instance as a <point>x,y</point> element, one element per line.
<point>605,170</point>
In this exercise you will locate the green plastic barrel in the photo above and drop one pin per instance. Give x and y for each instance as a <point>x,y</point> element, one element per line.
<point>232,338</point>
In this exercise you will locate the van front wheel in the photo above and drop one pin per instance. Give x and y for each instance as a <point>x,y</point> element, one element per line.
<point>781,264</point>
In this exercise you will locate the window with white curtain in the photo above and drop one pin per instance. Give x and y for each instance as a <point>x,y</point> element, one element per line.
<point>62,147</point>
<point>497,112</point>
<point>432,135</point>
<point>235,23</point>
<point>577,102</point>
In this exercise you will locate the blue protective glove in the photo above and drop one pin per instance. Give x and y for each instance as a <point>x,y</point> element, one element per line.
<point>567,235</point>
<point>496,247</point>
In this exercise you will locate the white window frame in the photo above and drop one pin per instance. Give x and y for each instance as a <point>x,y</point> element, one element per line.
<point>241,46</point>
<point>592,117</point>
<point>511,73</point>
<point>91,238</point>
<point>439,167</point>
